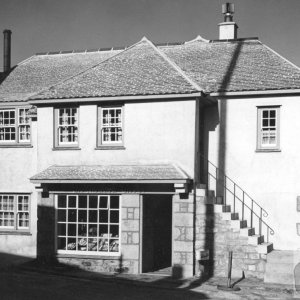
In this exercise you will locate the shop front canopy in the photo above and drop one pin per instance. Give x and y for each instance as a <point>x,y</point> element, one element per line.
<point>138,173</point>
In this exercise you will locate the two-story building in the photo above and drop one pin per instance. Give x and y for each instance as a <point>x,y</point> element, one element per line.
<point>153,156</point>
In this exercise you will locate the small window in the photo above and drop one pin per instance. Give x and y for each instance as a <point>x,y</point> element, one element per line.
<point>88,224</point>
<point>14,212</point>
<point>110,126</point>
<point>66,127</point>
<point>268,128</point>
<point>15,126</point>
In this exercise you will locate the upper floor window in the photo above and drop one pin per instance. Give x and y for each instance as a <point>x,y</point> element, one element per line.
<point>14,212</point>
<point>268,128</point>
<point>66,133</point>
<point>14,126</point>
<point>110,131</point>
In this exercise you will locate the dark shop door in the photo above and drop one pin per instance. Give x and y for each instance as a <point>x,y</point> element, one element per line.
<point>157,232</point>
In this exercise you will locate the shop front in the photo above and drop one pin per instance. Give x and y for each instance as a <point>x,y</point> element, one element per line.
<point>113,226</point>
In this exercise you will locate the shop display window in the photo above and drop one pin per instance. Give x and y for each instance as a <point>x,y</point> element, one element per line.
<point>88,224</point>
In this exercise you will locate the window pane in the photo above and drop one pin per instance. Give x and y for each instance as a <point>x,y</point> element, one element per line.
<point>103,202</point>
<point>111,122</point>
<point>68,125</point>
<point>72,201</point>
<point>82,201</point>
<point>61,215</point>
<point>114,202</point>
<point>62,201</point>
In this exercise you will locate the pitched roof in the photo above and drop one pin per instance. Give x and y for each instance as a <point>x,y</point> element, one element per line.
<point>138,70</point>
<point>241,65</point>
<point>41,71</point>
<point>245,65</point>
<point>109,173</point>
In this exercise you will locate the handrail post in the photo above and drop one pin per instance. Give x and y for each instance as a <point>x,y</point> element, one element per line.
<point>208,176</point>
<point>234,197</point>
<point>260,221</point>
<point>251,214</point>
<point>225,190</point>
<point>243,206</point>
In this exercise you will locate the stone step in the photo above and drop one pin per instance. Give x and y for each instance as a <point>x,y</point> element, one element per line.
<point>219,208</point>
<point>238,224</point>
<point>230,216</point>
<point>282,266</point>
<point>264,248</point>
<point>247,231</point>
<point>256,239</point>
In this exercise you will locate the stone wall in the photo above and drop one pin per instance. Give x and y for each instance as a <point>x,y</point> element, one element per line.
<point>127,262</point>
<point>215,234</point>
<point>183,235</point>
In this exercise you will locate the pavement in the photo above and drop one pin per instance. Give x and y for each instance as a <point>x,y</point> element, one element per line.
<point>155,285</point>
<point>32,280</point>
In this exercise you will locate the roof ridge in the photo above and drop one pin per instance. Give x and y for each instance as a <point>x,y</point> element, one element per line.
<point>175,66</point>
<point>143,40</point>
<point>279,55</point>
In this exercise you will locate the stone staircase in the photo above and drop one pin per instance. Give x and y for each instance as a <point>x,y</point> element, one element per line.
<point>231,233</point>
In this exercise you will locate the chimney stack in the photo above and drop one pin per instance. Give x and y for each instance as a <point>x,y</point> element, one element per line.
<point>228,29</point>
<point>6,50</point>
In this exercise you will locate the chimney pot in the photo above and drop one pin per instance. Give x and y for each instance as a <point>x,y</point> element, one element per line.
<point>228,29</point>
<point>7,50</point>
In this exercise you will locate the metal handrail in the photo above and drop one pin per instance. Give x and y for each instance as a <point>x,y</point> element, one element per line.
<point>262,211</point>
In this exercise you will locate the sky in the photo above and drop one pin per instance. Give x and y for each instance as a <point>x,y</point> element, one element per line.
<point>57,25</point>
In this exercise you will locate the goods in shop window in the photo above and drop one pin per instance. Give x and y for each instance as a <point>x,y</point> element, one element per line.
<point>71,246</point>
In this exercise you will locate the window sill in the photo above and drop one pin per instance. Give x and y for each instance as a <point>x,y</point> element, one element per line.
<point>267,150</point>
<point>110,148</point>
<point>16,146</point>
<point>80,256</point>
<point>15,233</point>
<point>65,148</point>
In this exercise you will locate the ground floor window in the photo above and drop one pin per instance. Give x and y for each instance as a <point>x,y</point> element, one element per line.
<point>88,224</point>
<point>14,212</point>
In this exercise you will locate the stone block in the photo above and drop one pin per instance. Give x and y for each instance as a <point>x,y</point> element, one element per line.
<point>183,233</point>
<point>183,246</point>
<point>251,267</point>
<point>137,213</point>
<point>130,225</point>
<point>253,256</point>
<point>130,200</point>
<point>182,258</point>
<point>130,251</point>
<point>183,219</point>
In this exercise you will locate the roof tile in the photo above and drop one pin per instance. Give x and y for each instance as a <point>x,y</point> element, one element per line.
<point>112,172</point>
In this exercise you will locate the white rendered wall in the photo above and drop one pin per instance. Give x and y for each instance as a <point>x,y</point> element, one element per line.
<point>17,166</point>
<point>271,178</point>
<point>154,132</point>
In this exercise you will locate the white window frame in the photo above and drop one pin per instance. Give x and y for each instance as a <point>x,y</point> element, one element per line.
<point>105,124</point>
<point>268,124</point>
<point>82,241</point>
<point>18,212</point>
<point>59,126</point>
<point>22,125</point>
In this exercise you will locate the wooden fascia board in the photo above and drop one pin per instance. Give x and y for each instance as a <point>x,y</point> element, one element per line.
<point>256,93</point>
<point>14,104</point>
<point>118,98</point>
<point>61,181</point>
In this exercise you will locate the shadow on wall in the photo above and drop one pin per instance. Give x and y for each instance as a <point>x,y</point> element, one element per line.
<point>214,116</point>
